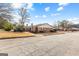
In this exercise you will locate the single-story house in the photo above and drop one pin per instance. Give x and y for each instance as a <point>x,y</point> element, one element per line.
<point>41,28</point>
<point>75,27</point>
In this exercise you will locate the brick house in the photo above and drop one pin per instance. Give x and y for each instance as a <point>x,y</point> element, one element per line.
<point>41,28</point>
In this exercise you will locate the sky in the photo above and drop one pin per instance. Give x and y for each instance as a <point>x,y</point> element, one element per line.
<point>50,12</point>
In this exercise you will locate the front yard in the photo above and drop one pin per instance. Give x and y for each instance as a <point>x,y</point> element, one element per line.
<point>14,34</point>
<point>6,34</point>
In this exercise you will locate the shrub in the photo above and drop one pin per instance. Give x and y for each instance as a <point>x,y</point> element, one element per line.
<point>7,26</point>
<point>53,30</point>
<point>19,28</point>
<point>41,31</point>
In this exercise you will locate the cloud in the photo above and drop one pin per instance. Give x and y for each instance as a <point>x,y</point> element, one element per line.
<point>44,16</point>
<point>16,5</point>
<point>40,16</point>
<point>30,6</point>
<point>74,20</point>
<point>32,9</point>
<point>47,9</point>
<point>36,16</point>
<point>63,4</point>
<point>60,8</point>
<point>56,14</point>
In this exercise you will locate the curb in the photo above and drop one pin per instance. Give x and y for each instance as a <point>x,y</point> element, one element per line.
<point>16,37</point>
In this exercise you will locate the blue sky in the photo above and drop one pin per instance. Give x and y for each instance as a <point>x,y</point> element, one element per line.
<point>52,12</point>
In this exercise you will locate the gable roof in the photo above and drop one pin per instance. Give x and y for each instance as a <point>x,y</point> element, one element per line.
<point>46,25</point>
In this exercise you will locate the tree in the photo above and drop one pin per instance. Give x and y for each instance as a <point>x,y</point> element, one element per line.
<point>5,11</point>
<point>7,26</point>
<point>2,21</point>
<point>24,16</point>
<point>64,24</point>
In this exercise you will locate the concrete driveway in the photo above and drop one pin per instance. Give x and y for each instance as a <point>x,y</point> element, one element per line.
<point>54,45</point>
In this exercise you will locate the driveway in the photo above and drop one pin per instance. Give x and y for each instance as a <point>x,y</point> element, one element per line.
<point>53,45</point>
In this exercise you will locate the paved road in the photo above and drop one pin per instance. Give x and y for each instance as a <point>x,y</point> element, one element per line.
<point>54,45</point>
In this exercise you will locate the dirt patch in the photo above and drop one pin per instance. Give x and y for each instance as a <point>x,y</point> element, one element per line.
<point>4,35</point>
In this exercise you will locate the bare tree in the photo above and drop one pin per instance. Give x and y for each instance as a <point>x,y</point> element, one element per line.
<point>64,24</point>
<point>5,11</point>
<point>24,16</point>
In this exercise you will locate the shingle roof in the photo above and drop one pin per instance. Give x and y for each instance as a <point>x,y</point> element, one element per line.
<point>45,25</point>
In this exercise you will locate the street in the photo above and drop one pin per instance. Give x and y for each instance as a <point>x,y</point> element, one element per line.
<point>54,45</point>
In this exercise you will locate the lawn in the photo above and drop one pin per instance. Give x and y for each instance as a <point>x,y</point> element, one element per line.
<point>15,34</point>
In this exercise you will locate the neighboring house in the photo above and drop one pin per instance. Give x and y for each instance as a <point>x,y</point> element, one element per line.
<point>75,27</point>
<point>41,28</point>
